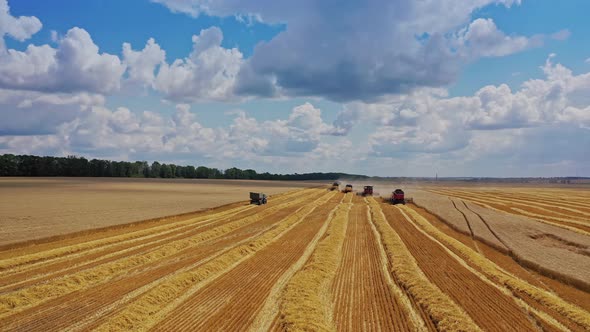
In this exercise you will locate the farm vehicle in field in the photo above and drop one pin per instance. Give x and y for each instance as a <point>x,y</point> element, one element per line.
<point>398,197</point>
<point>347,189</point>
<point>335,186</point>
<point>257,198</point>
<point>367,191</point>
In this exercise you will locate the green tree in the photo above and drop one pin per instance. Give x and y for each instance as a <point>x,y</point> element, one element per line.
<point>8,165</point>
<point>155,169</point>
<point>165,171</point>
<point>202,172</point>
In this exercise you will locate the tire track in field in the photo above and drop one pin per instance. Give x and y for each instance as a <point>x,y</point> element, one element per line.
<point>360,293</point>
<point>540,312</point>
<point>538,302</point>
<point>551,203</point>
<point>490,252</point>
<point>573,226</point>
<point>536,210</point>
<point>437,309</point>
<point>534,316</point>
<point>486,305</point>
<point>563,200</point>
<point>232,301</point>
<point>80,303</point>
<point>471,234</point>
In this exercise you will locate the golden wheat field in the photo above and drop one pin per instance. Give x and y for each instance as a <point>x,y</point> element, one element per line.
<point>457,259</point>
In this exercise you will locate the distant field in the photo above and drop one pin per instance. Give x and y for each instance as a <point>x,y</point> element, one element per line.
<point>33,208</point>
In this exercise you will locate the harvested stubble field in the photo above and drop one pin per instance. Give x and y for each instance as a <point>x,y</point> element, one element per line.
<point>33,208</point>
<point>310,260</point>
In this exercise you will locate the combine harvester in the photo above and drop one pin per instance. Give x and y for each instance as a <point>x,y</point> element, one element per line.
<point>347,189</point>
<point>398,197</point>
<point>367,191</point>
<point>257,198</point>
<point>335,186</point>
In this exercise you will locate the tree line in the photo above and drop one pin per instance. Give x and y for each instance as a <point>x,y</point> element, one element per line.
<point>28,165</point>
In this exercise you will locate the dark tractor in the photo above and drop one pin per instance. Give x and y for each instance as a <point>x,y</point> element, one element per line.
<point>257,198</point>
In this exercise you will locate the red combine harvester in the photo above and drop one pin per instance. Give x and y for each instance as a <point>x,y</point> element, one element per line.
<point>367,191</point>
<point>397,197</point>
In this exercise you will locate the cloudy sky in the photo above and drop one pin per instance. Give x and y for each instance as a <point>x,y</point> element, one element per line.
<point>377,87</point>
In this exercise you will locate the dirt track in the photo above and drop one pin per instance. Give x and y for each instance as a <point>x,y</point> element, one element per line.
<point>310,259</point>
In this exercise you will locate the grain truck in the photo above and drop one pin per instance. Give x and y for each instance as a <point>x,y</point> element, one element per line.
<point>257,198</point>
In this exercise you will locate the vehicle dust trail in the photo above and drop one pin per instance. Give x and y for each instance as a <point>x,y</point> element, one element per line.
<point>233,300</point>
<point>487,306</point>
<point>80,304</point>
<point>360,293</point>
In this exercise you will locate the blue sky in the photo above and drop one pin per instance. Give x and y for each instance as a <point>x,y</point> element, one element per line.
<point>530,18</point>
<point>302,86</point>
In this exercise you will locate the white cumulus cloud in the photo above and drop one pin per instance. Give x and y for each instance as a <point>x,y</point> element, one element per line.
<point>361,50</point>
<point>141,65</point>
<point>483,38</point>
<point>20,28</point>
<point>75,65</point>
<point>209,72</point>
<point>428,121</point>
